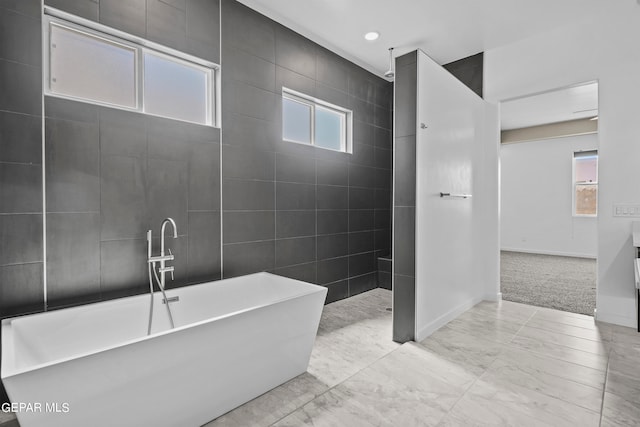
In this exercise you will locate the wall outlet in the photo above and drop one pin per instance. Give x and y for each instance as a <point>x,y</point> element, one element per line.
<point>626,210</point>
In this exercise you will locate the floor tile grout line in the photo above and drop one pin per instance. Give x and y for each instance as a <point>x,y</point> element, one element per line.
<point>336,385</point>
<point>559,345</point>
<point>560,322</point>
<point>542,355</point>
<point>603,354</point>
<point>523,325</point>
<point>503,345</point>
<point>465,393</point>
<point>604,386</point>
<point>568,334</point>
<point>558,398</point>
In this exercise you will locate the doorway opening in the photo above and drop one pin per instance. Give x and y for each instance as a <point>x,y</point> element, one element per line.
<point>548,198</point>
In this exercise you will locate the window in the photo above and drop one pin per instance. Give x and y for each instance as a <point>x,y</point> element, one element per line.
<point>78,61</point>
<point>108,67</point>
<point>174,88</point>
<point>307,120</point>
<point>585,183</point>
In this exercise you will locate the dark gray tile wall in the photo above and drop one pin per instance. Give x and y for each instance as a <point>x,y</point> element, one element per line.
<point>296,210</point>
<point>21,221</point>
<point>21,251</point>
<point>111,175</point>
<point>469,71</point>
<point>384,273</point>
<point>404,203</point>
<point>191,26</point>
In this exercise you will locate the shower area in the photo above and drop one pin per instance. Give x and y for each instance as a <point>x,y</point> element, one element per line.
<point>445,198</point>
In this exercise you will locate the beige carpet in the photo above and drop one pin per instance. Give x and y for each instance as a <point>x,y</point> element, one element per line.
<point>563,283</point>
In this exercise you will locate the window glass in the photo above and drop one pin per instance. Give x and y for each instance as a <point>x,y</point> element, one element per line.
<point>175,89</point>
<point>309,120</point>
<point>90,67</point>
<point>586,199</point>
<point>587,169</point>
<point>585,182</point>
<point>329,127</point>
<point>296,121</point>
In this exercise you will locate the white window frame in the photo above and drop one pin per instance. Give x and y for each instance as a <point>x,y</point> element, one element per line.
<point>55,17</point>
<point>578,155</point>
<point>346,134</point>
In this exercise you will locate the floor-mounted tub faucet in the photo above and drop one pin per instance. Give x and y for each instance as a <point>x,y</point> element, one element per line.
<point>163,269</point>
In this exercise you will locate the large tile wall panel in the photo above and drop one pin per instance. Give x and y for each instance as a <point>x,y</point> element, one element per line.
<point>21,219</point>
<point>21,193</point>
<point>404,199</point>
<point>325,214</point>
<point>190,26</point>
<point>469,71</point>
<point>129,172</point>
<point>117,174</point>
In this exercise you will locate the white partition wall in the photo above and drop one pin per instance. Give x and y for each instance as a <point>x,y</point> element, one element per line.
<point>456,255</point>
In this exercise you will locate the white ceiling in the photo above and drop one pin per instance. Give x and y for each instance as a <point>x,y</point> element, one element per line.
<point>446,30</point>
<point>571,103</point>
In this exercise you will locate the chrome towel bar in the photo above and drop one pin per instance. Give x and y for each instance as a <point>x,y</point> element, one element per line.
<point>457,196</point>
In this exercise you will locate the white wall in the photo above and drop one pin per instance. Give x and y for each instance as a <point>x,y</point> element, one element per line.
<point>607,50</point>
<point>455,263</point>
<point>536,198</point>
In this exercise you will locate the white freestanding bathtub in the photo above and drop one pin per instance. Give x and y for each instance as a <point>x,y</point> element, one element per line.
<point>94,365</point>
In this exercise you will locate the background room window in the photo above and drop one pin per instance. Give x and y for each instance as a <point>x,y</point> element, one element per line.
<point>308,120</point>
<point>105,66</point>
<point>585,183</point>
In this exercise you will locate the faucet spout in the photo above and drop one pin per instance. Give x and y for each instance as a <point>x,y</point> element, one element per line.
<point>163,257</point>
<point>173,223</point>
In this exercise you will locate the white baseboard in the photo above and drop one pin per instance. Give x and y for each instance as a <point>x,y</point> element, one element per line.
<point>616,319</point>
<point>555,253</point>
<point>493,297</point>
<point>436,324</point>
<point>617,310</point>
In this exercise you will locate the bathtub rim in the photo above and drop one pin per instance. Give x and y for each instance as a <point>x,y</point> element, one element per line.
<point>8,369</point>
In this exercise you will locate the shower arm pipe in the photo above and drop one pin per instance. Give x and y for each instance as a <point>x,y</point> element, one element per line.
<point>456,196</point>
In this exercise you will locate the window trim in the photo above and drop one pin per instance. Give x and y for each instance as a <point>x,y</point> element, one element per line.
<point>346,141</point>
<point>578,155</point>
<point>55,17</point>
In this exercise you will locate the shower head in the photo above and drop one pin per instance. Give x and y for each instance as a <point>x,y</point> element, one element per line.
<point>390,74</point>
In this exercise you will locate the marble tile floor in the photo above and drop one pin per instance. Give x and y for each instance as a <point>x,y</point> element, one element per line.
<point>499,364</point>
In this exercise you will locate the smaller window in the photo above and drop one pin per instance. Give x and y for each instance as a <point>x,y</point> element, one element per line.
<point>585,183</point>
<point>307,120</point>
<point>296,124</point>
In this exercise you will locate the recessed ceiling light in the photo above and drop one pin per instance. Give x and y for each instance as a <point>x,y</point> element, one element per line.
<point>373,35</point>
